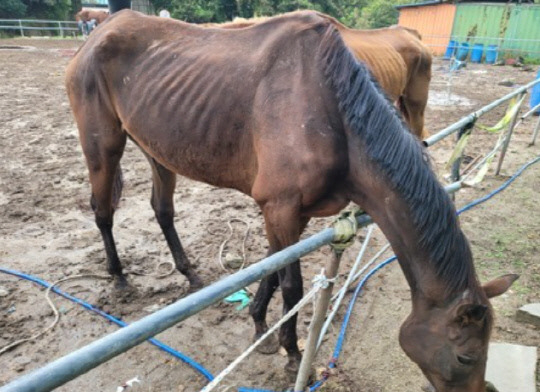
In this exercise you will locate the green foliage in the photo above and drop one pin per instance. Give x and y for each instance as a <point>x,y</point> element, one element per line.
<point>12,9</point>
<point>353,13</point>
<point>378,13</point>
<point>48,9</point>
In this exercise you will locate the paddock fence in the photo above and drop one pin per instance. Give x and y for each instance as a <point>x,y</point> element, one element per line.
<point>40,27</point>
<point>88,357</point>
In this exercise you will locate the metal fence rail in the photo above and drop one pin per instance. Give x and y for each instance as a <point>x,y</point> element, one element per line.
<point>475,115</point>
<point>60,27</point>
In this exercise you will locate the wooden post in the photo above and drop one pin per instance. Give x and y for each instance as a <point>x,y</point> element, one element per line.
<point>535,133</point>
<point>316,324</point>
<point>509,136</point>
<point>61,30</point>
<point>21,28</point>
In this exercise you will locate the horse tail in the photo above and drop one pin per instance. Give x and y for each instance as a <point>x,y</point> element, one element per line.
<point>117,187</point>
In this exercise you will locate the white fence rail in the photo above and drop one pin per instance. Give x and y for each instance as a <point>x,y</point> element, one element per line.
<point>56,27</point>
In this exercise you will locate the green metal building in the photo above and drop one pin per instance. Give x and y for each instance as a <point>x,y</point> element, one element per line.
<point>515,28</point>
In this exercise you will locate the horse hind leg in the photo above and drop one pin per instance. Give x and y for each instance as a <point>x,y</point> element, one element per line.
<point>103,143</point>
<point>413,104</point>
<point>164,182</point>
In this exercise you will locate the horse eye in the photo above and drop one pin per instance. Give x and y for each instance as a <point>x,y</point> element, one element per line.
<point>466,360</point>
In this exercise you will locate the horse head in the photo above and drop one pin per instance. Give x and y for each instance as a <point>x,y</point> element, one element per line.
<point>449,342</point>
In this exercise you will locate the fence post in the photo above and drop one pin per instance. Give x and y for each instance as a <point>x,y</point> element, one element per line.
<point>61,30</point>
<point>535,133</point>
<point>21,28</point>
<point>509,134</point>
<point>316,324</point>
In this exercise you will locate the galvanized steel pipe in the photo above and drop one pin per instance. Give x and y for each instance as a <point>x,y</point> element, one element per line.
<point>473,116</point>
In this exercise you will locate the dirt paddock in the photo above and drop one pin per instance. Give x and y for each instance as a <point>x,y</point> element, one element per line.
<point>47,230</point>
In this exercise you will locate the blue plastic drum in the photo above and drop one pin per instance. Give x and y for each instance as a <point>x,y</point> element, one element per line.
<point>535,95</point>
<point>450,50</point>
<point>477,52</point>
<point>492,52</point>
<point>463,51</point>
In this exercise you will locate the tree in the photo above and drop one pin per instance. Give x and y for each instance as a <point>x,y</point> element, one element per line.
<point>48,9</point>
<point>12,9</point>
<point>378,13</point>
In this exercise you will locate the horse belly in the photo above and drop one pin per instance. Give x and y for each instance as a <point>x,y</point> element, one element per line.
<point>217,156</point>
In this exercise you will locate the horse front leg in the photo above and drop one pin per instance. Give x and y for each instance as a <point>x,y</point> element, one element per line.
<point>258,309</point>
<point>290,280</point>
<point>283,228</point>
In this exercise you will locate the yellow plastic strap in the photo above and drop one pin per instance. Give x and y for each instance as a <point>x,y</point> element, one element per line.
<point>458,150</point>
<point>513,107</point>
<point>345,228</point>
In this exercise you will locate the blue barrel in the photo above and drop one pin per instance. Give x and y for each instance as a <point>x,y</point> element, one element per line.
<point>450,50</point>
<point>476,54</point>
<point>492,52</point>
<point>463,51</point>
<point>535,94</point>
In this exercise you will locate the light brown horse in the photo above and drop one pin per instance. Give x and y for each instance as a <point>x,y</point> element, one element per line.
<point>88,15</point>
<point>396,57</point>
<point>283,112</point>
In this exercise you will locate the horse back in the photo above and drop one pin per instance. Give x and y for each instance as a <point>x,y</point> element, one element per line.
<point>208,103</point>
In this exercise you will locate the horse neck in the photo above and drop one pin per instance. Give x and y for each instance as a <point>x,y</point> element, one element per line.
<point>430,276</point>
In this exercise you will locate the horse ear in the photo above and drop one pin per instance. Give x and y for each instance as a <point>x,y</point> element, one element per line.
<point>470,313</point>
<point>499,285</point>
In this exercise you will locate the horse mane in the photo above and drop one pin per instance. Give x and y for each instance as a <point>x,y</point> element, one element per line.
<point>399,155</point>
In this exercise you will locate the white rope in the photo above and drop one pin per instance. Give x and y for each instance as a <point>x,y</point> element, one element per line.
<point>319,282</point>
<point>54,309</point>
<point>364,268</point>
<point>156,274</point>
<point>341,293</point>
<point>222,246</point>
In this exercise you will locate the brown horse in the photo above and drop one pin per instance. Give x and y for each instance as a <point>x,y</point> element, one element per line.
<point>89,19</point>
<point>283,112</point>
<point>396,57</point>
<point>88,15</point>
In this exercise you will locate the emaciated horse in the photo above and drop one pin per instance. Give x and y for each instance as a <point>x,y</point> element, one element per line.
<point>283,112</point>
<point>396,56</point>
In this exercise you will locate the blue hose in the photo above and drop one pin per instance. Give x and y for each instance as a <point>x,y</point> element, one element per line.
<point>344,326</point>
<point>112,319</point>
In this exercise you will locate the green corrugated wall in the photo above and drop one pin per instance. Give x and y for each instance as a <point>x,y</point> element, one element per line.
<point>514,27</point>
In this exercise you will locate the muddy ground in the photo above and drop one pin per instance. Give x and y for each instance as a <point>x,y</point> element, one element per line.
<point>47,230</point>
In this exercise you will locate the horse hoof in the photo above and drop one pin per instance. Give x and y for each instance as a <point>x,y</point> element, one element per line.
<point>268,346</point>
<point>428,387</point>
<point>195,283</point>
<point>292,367</point>
<point>120,282</point>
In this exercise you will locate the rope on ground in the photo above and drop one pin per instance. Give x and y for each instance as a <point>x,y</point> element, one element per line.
<point>177,354</point>
<point>156,274</point>
<point>227,239</point>
<point>54,309</point>
<point>319,282</point>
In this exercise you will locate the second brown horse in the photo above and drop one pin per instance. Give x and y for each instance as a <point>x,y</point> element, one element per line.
<point>396,57</point>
